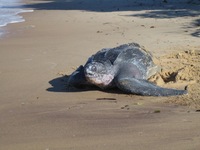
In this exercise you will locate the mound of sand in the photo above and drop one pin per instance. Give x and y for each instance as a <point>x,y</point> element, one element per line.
<point>181,70</point>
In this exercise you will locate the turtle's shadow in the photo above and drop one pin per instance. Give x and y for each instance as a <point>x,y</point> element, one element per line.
<point>59,85</point>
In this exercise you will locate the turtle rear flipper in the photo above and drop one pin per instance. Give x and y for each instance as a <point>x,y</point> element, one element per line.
<point>143,87</point>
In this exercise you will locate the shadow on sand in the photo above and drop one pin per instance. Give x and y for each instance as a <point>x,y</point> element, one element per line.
<point>157,9</point>
<point>196,24</point>
<point>59,84</point>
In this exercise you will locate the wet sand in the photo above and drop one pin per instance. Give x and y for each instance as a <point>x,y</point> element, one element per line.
<point>37,112</point>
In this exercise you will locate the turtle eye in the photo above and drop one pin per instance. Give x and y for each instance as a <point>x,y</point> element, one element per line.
<point>93,68</point>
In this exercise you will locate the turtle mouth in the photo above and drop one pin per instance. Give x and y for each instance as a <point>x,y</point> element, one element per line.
<point>100,79</point>
<point>90,74</point>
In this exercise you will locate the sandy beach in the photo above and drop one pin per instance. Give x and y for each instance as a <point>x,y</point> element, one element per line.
<point>36,111</point>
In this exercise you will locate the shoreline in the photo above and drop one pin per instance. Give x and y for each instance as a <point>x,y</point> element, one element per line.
<point>21,10</point>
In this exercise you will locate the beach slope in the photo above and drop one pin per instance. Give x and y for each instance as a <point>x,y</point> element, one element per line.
<point>38,113</point>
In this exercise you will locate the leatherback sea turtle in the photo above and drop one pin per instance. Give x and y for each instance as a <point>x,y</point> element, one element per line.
<point>126,67</point>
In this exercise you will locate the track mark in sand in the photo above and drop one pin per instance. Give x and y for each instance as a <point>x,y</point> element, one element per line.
<point>110,99</point>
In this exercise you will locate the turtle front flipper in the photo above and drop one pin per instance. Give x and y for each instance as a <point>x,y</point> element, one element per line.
<point>143,87</point>
<point>77,78</point>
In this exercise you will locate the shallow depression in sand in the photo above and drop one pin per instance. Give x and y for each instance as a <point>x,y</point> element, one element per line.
<point>181,70</point>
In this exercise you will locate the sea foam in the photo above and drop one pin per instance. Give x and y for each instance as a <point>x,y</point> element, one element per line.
<point>9,12</point>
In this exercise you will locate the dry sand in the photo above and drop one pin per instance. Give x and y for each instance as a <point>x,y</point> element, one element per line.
<point>36,112</point>
<point>181,70</point>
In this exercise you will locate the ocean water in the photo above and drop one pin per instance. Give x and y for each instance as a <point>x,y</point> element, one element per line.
<point>10,13</point>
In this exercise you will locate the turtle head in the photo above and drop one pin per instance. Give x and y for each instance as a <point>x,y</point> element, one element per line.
<point>99,73</point>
